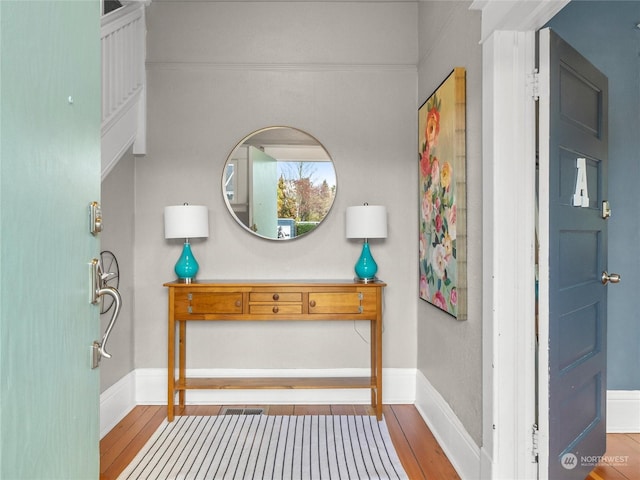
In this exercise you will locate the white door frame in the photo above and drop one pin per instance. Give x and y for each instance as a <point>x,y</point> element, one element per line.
<point>509,205</point>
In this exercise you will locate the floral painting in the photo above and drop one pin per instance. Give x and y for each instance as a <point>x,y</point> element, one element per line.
<point>442,190</point>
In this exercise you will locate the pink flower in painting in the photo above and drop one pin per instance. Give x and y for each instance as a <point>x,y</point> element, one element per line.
<point>425,164</point>
<point>423,246</point>
<point>453,215</point>
<point>433,127</point>
<point>453,297</point>
<point>439,260</point>
<point>438,223</point>
<point>439,301</point>
<point>424,286</point>
<point>435,171</point>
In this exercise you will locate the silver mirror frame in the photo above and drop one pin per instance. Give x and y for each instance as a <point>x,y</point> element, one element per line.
<point>268,134</point>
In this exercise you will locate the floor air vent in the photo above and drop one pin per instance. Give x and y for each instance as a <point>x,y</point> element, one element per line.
<point>242,411</point>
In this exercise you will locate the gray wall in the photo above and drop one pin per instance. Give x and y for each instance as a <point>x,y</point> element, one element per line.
<point>449,351</point>
<point>345,73</point>
<point>117,199</point>
<point>613,46</point>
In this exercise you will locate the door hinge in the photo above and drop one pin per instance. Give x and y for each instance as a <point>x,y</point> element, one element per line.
<point>533,84</point>
<point>534,442</point>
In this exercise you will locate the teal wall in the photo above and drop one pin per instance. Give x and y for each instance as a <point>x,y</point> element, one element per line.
<point>605,32</point>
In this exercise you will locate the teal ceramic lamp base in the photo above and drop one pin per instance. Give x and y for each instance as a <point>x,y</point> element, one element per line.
<point>366,267</point>
<point>186,266</point>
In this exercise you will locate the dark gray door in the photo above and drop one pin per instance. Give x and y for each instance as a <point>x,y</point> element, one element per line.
<point>577,329</point>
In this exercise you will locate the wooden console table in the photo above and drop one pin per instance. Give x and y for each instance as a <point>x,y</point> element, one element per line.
<point>272,300</point>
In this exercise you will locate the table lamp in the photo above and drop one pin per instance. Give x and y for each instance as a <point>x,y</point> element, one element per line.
<point>186,221</point>
<point>366,221</point>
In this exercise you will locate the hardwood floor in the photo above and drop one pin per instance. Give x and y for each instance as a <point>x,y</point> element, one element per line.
<point>417,448</point>
<point>622,460</point>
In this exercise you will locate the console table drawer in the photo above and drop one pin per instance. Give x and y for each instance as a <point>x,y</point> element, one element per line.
<point>335,303</point>
<point>275,297</point>
<point>202,303</point>
<point>275,309</point>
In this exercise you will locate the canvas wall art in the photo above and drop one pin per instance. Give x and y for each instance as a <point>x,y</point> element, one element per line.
<point>442,191</point>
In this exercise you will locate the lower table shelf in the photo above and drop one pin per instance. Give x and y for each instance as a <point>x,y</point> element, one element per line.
<point>202,383</point>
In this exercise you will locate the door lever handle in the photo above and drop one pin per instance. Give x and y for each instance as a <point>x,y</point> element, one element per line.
<point>99,289</point>
<point>610,277</point>
<point>117,303</point>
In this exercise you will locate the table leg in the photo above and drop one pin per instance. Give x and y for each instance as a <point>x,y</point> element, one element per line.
<point>182,345</point>
<point>379,370</point>
<point>171,360</point>
<point>378,355</point>
<point>372,344</point>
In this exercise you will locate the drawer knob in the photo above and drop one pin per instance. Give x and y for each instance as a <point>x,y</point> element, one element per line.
<point>275,309</point>
<point>276,297</point>
<point>238,303</point>
<point>312,303</point>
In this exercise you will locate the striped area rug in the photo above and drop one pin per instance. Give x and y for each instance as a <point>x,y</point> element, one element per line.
<point>268,447</point>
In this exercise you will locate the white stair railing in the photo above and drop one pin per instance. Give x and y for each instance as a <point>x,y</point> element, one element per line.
<point>123,40</point>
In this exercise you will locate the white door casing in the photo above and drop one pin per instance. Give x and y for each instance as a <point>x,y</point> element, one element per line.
<point>508,34</point>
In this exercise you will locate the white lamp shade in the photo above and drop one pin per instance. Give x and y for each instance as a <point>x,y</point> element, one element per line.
<point>186,221</point>
<point>366,221</point>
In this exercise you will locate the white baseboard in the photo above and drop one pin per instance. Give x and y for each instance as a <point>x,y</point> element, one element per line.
<point>116,402</point>
<point>148,386</point>
<point>623,411</point>
<point>463,453</point>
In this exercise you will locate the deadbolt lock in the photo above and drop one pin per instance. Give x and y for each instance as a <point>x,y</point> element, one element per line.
<point>95,218</point>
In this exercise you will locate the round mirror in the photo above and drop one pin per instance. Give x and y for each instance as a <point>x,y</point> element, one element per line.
<point>279,183</point>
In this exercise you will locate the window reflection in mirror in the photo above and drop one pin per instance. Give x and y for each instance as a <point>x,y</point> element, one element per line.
<point>279,183</point>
